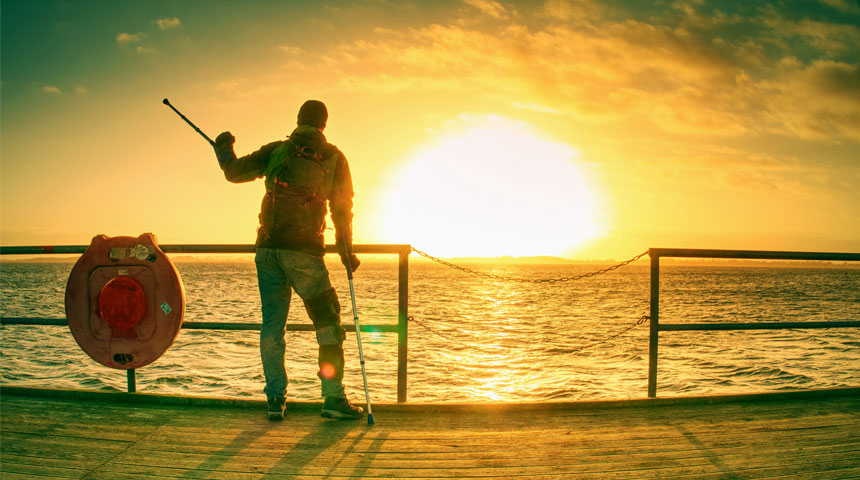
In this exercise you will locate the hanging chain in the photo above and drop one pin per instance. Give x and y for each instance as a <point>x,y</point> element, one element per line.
<point>528,280</point>
<point>642,319</point>
<point>438,333</point>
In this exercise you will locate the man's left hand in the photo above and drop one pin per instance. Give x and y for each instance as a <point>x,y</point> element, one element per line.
<point>354,262</point>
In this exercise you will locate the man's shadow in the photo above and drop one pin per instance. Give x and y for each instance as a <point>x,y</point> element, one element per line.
<point>317,442</point>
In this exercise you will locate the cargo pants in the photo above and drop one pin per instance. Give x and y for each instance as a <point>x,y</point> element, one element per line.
<point>279,271</point>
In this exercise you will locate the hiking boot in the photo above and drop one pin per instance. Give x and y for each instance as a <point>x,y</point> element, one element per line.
<point>339,408</point>
<point>277,405</point>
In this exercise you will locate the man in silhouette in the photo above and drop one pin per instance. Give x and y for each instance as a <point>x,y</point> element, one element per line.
<point>304,177</point>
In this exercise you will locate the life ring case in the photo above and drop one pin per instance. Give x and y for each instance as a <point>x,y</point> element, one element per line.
<point>124,301</point>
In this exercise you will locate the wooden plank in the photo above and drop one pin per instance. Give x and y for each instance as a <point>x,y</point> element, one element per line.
<point>57,461</point>
<point>41,471</point>
<point>556,465</point>
<point>736,459</point>
<point>672,442</point>
<point>399,450</point>
<point>663,438</point>
<point>395,452</point>
<point>662,470</point>
<point>78,449</point>
<point>27,476</point>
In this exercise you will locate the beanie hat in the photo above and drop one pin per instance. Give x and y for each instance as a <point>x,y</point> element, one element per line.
<point>313,113</point>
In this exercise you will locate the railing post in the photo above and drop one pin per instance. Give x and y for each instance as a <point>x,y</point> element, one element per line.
<point>132,387</point>
<point>402,320</point>
<point>654,324</point>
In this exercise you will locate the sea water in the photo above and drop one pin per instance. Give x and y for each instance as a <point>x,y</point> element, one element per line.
<point>473,338</point>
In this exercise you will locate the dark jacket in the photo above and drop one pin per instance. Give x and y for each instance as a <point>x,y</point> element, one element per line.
<point>293,216</point>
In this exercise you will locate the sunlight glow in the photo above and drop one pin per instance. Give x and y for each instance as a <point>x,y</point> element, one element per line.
<point>494,189</point>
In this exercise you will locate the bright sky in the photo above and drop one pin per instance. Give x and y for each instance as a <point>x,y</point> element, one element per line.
<point>583,129</point>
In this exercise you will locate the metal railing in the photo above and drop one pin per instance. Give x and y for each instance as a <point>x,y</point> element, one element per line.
<point>657,327</point>
<point>402,251</point>
<point>401,328</point>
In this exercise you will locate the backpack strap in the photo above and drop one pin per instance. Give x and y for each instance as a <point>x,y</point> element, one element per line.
<point>277,161</point>
<point>329,164</point>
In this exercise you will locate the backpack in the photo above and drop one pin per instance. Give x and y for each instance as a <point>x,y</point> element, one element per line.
<point>299,179</point>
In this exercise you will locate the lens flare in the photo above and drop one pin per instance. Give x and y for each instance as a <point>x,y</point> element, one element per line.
<point>327,371</point>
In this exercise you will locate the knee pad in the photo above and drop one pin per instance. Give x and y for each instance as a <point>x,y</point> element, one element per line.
<point>324,311</point>
<point>323,308</point>
<point>332,335</point>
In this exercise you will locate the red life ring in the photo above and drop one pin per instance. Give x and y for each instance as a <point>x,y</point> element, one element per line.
<point>124,301</point>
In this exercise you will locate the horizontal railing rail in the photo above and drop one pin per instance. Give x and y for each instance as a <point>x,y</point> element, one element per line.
<point>384,248</point>
<point>656,327</point>
<point>401,328</point>
<point>235,326</point>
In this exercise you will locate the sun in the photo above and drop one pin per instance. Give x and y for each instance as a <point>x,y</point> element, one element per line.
<point>493,189</point>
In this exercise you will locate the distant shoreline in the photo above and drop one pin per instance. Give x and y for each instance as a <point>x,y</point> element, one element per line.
<point>504,260</point>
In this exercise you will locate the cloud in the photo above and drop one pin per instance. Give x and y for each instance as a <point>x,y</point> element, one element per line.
<point>831,38</point>
<point>847,6</point>
<point>126,38</point>
<point>698,74</point>
<point>820,101</point>
<point>567,11</point>
<point>165,23</point>
<point>728,168</point>
<point>491,8</point>
<point>50,89</point>
<point>290,50</point>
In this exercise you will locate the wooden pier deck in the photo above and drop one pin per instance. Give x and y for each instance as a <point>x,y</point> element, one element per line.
<point>120,436</point>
